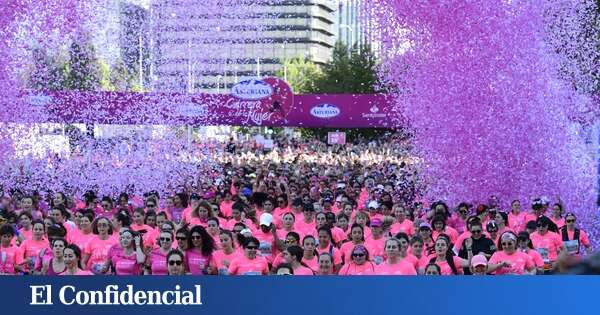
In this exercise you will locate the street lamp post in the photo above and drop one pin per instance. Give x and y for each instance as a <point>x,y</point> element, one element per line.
<point>346,26</point>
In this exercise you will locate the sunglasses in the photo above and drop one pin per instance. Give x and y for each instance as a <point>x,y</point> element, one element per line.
<point>358,255</point>
<point>180,238</point>
<point>150,206</point>
<point>165,239</point>
<point>476,231</point>
<point>175,262</point>
<point>252,247</point>
<point>570,221</point>
<point>508,243</point>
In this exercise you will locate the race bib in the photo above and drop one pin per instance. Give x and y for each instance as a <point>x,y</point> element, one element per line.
<point>572,247</point>
<point>544,253</point>
<point>265,249</point>
<point>252,273</point>
<point>124,266</point>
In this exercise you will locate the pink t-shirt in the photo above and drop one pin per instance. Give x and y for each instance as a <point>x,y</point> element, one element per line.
<point>559,222</point>
<point>407,226</point>
<point>223,260</point>
<point>241,266</point>
<point>547,245</point>
<point>305,228</point>
<point>536,257</point>
<point>266,247</point>
<point>401,268</point>
<point>226,208</point>
<point>98,250</point>
<point>313,263</point>
<point>519,263</point>
<point>412,260</point>
<point>336,253</point>
<point>197,263</point>
<point>124,265</point>
<point>448,231</point>
<point>26,234</point>
<point>352,269</point>
<point>11,256</point>
<point>517,222</point>
<point>32,248</point>
<point>303,271</point>
<point>158,263</point>
<point>80,239</point>
<point>376,249</point>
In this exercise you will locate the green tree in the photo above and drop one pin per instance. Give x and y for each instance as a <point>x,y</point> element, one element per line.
<point>300,74</point>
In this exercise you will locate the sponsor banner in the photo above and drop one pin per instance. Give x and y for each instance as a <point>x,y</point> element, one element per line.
<point>336,138</point>
<point>252,102</point>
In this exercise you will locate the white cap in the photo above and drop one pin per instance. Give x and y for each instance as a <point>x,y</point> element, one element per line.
<point>266,219</point>
<point>246,232</point>
<point>373,204</point>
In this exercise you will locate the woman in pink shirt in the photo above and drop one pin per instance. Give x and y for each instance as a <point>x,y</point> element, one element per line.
<point>362,218</point>
<point>394,264</point>
<point>501,220</point>
<point>425,232</point>
<point>517,219</point>
<point>557,215</point>
<point>326,245</point>
<point>156,262</point>
<point>181,236</point>
<point>525,246</point>
<point>293,256</point>
<point>336,232</point>
<point>310,257</point>
<point>325,265</point>
<point>74,266</point>
<point>199,215</point>
<point>546,242</point>
<point>507,260</point>
<point>417,249</point>
<point>198,256</point>
<point>81,236</point>
<point>573,238</point>
<point>95,254</point>
<point>227,253</point>
<point>356,238</point>
<point>138,224</point>
<point>360,264</point>
<point>439,227</point>
<point>32,248</point>
<point>11,254</point>
<point>127,257</point>
<point>443,257</point>
<point>401,223</point>
<point>56,265</point>
<point>287,225</point>
<point>250,263</point>
<point>25,231</point>
<point>212,228</point>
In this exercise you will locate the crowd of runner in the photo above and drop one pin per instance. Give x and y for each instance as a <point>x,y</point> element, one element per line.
<point>303,208</point>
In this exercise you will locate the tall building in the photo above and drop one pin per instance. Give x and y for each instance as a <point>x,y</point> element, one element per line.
<point>203,46</point>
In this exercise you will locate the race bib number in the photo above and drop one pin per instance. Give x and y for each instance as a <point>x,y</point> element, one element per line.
<point>265,249</point>
<point>252,273</point>
<point>572,247</point>
<point>544,253</point>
